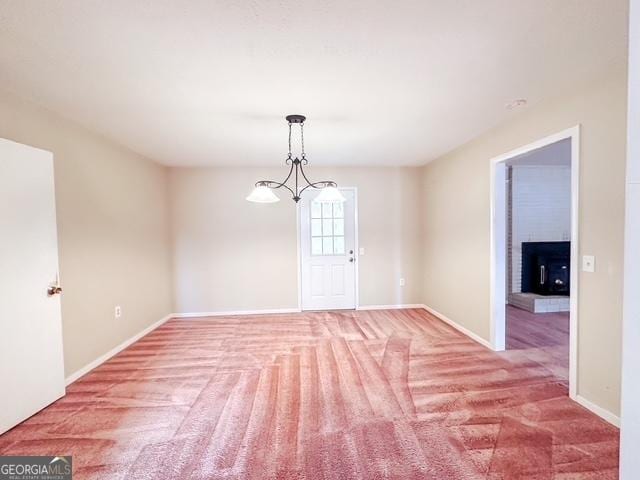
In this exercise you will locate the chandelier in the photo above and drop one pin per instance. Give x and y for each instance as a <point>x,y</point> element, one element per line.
<point>264,189</point>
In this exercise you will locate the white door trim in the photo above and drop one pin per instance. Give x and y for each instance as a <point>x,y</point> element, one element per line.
<point>498,246</point>
<point>356,249</point>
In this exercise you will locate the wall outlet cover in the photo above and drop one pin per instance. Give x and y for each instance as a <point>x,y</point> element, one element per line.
<point>402,282</point>
<point>118,311</point>
<point>588,263</point>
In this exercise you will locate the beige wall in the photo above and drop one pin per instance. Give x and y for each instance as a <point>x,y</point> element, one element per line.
<point>112,231</point>
<point>231,254</point>
<point>457,222</point>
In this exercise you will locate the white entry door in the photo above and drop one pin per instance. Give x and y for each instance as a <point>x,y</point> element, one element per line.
<point>31,363</point>
<point>328,249</point>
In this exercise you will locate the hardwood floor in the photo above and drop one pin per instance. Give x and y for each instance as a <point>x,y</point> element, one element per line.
<point>371,395</point>
<point>543,337</point>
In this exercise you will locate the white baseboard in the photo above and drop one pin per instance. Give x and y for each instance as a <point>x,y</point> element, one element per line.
<point>103,358</point>
<point>459,327</point>
<point>601,412</point>
<point>273,311</point>
<point>390,307</point>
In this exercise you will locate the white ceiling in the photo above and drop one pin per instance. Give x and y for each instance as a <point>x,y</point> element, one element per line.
<point>383,82</point>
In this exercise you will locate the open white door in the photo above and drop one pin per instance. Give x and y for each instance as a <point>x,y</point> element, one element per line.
<point>328,252</point>
<point>31,362</point>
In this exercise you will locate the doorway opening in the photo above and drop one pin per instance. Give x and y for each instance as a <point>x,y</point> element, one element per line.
<point>328,243</point>
<point>535,253</point>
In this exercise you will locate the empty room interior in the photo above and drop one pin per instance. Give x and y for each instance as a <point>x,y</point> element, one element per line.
<point>320,240</point>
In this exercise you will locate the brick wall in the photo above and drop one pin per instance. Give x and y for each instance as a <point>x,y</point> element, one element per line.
<point>539,210</point>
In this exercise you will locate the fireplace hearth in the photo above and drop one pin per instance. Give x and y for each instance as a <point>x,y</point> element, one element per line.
<point>546,268</point>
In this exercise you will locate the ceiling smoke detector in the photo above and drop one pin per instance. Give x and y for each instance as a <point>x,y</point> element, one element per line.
<point>520,102</point>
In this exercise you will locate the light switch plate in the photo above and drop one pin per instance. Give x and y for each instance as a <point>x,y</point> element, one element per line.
<point>402,282</point>
<point>588,263</point>
<point>361,250</point>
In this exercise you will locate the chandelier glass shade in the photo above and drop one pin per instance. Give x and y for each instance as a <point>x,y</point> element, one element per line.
<point>262,194</point>
<point>264,189</point>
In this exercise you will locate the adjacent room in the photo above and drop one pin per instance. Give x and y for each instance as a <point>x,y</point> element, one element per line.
<point>538,254</point>
<point>319,240</point>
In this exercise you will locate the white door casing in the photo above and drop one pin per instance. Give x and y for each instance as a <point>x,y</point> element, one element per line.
<point>31,358</point>
<point>498,236</point>
<point>328,252</point>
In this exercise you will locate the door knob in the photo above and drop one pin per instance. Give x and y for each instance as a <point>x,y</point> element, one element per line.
<point>351,259</point>
<point>350,252</point>
<point>54,290</point>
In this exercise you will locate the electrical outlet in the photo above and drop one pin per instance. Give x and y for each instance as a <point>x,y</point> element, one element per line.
<point>402,282</point>
<point>588,263</point>
<point>118,311</point>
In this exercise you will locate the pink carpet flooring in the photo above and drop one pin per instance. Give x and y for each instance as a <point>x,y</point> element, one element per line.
<point>370,395</point>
